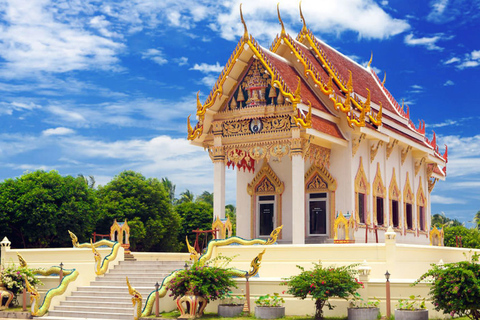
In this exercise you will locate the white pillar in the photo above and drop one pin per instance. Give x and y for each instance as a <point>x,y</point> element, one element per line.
<point>219,190</point>
<point>298,193</point>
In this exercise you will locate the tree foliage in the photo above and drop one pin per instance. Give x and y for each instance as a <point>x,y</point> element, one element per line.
<point>322,283</point>
<point>470,238</point>
<point>455,287</point>
<point>130,195</point>
<point>194,215</point>
<point>38,208</point>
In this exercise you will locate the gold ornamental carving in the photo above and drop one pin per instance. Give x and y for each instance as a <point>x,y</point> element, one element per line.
<point>405,153</point>
<point>318,179</point>
<point>217,154</point>
<point>319,156</point>
<point>418,165</point>
<point>296,146</point>
<point>263,125</point>
<point>374,150</point>
<point>431,184</point>
<point>390,146</point>
<point>361,181</point>
<point>259,184</point>
<point>236,155</point>
<point>356,143</point>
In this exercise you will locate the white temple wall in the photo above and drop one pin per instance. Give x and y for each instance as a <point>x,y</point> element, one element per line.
<point>244,202</point>
<point>283,169</point>
<point>341,171</point>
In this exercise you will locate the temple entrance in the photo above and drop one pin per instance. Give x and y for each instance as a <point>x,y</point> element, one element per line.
<point>266,216</point>
<point>317,213</point>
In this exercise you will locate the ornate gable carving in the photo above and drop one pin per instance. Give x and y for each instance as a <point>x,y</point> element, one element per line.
<point>361,182</point>
<point>393,190</point>
<point>318,179</point>
<point>407,191</point>
<point>265,182</point>
<point>378,187</point>
<point>421,200</point>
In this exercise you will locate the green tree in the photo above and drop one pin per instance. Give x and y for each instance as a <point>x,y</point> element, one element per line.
<point>130,195</point>
<point>194,215</point>
<point>440,220</point>
<point>231,211</point>
<point>476,219</point>
<point>206,197</point>
<point>186,196</point>
<point>170,188</point>
<point>455,287</point>
<point>38,208</point>
<point>323,283</point>
<point>470,237</point>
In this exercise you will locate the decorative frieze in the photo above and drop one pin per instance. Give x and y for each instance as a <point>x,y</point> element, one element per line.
<point>258,125</point>
<point>319,156</point>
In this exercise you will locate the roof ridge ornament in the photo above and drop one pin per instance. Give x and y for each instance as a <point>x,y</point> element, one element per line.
<point>280,19</point>
<point>384,78</point>
<point>304,29</point>
<point>245,32</point>
<point>370,62</point>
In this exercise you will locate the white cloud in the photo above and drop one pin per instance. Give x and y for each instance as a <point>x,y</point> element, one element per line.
<point>417,87</point>
<point>469,60</point>
<point>436,199</point>
<point>155,55</point>
<point>209,81</point>
<point>182,61</point>
<point>34,39</point>
<point>427,42</point>
<point>452,60</point>
<point>438,9</point>
<point>207,68</point>
<point>59,131</point>
<point>449,83</point>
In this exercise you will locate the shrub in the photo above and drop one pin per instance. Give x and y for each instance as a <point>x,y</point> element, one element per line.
<point>12,278</point>
<point>323,283</point>
<point>270,301</point>
<point>210,282</point>
<point>411,303</point>
<point>455,287</point>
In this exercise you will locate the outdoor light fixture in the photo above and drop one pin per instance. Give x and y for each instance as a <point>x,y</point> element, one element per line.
<point>387,276</point>
<point>387,288</point>
<point>61,265</point>
<point>185,266</point>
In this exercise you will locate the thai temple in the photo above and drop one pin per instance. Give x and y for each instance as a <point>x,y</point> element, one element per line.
<point>319,146</point>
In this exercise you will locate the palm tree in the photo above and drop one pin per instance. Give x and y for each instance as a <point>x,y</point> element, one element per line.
<point>170,188</point>
<point>186,196</point>
<point>90,180</point>
<point>206,197</point>
<point>476,219</point>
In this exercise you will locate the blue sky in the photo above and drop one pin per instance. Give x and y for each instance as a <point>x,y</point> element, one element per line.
<point>96,87</point>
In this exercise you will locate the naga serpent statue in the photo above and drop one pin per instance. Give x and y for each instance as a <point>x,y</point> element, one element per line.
<point>255,264</point>
<point>37,309</point>
<point>101,266</point>
<point>136,301</point>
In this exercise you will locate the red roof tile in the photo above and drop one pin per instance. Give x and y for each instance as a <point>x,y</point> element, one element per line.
<point>327,127</point>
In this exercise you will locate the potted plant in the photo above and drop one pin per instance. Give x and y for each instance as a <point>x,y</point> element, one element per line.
<point>12,278</point>
<point>231,305</point>
<point>198,285</point>
<point>323,283</point>
<point>412,308</point>
<point>269,307</point>
<point>360,309</point>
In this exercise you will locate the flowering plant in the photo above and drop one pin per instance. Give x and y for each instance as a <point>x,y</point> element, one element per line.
<point>455,287</point>
<point>232,300</point>
<point>210,282</point>
<point>12,278</point>
<point>411,303</point>
<point>270,301</point>
<point>358,302</point>
<point>322,283</point>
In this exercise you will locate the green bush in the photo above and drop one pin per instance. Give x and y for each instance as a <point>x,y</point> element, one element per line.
<point>323,283</point>
<point>12,278</point>
<point>455,287</point>
<point>210,282</point>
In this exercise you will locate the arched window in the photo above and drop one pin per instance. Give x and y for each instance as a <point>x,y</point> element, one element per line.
<point>266,197</point>
<point>421,207</point>
<point>395,198</point>
<point>408,201</point>
<point>362,188</point>
<point>379,195</point>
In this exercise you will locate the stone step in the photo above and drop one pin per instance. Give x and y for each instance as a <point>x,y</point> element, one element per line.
<point>119,276</point>
<point>98,308</point>
<point>89,315</point>
<point>98,303</point>
<point>90,299</point>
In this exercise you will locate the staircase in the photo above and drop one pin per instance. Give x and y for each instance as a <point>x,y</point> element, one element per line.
<point>107,297</point>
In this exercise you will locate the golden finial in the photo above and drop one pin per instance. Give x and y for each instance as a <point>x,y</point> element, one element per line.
<point>384,78</point>
<point>350,81</point>
<point>22,261</point>
<point>199,104</point>
<point>301,17</point>
<point>298,90</point>
<point>245,33</point>
<point>370,62</point>
<point>280,19</point>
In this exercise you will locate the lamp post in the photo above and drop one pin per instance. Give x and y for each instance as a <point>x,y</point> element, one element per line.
<point>24,294</point>
<point>185,266</point>
<point>246,306</point>
<point>157,300</point>
<point>387,287</point>
<point>61,272</point>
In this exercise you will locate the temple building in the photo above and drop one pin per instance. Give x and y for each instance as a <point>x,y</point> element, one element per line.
<point>319,145</point>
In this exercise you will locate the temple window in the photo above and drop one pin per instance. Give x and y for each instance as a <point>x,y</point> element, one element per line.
<point>266,215</point>
<point>395,220</point>
<point>317,213</point>
<point>421,205</point>
<point>379,212</point>
<point>409,216</point>
<point>421,214</point>
<point>361,191</point>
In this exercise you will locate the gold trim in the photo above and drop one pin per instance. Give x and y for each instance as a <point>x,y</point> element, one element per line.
<point>378,191</point>
<point>418,165</point>
<point>405,152</point>
<point>361,186</point>
<point>438,233</point>
<point>394,194</point>
<point>265,182</point>
<point>356,143</point>
<point>408,198</point>
<point>390,146</point>
<point>421,202</point>
<point>374,150</point>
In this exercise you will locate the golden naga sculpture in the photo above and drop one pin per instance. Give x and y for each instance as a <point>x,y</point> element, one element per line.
<point>193,253</point>
<point>38,309</point>
<point>136,301</point>
<point>101,266</point>
<point>255,265</point>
